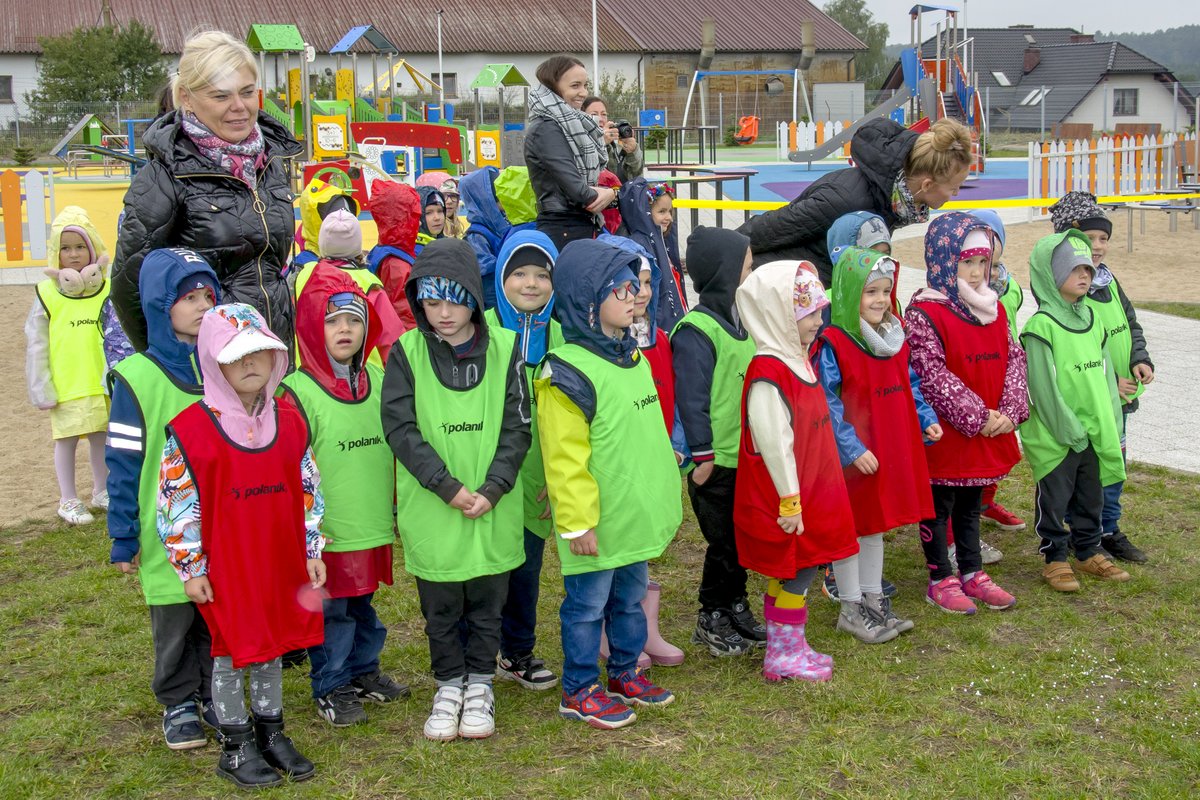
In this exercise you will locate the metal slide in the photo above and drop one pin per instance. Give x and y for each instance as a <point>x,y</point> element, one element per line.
<point>831,145</point>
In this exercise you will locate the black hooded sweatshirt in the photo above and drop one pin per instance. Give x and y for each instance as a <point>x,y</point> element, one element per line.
<point>453,259</point>
<point>715,258</point>
<point>797,231</point>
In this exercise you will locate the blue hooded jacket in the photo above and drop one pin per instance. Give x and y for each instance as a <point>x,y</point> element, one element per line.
<point>533,330</point>
<point>489,225</point>
<point>844,230</point>
<point>584,274</point>
<point>635,211</point>
<point>161,273</point>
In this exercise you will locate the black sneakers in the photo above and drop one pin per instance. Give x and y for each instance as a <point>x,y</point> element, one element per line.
<point>181,727</point>
<point>1117,545</point>
<point>715,630</point>
<point>378,688</point>
<point>745,624</point>
<point>528,671</point>
<point>342,707</point>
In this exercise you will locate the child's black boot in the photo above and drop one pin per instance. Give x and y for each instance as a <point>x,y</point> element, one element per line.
<point>279,751</point>
<point>241,761</point>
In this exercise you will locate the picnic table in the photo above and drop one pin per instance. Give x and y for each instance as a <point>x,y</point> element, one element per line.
<point>1185,205</point>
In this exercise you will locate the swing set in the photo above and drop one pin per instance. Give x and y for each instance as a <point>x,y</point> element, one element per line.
<point>747,132</point>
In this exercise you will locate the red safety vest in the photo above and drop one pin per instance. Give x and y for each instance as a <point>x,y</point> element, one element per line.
<point>252,530</point>
<point>878,402</point>
<point>978,355</point>
<point>663,372</point>
<point>828,521</point>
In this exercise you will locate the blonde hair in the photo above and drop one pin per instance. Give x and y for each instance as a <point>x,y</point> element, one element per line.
<point>207,57</point>
<point>941,151</point>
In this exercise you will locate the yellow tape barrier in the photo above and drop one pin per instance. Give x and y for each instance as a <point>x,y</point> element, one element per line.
<point>953,205</point>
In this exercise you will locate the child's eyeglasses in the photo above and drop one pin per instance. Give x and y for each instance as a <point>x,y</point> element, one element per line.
<point>624,291</point>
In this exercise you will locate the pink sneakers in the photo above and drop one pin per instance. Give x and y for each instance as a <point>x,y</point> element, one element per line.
<point>982,589</point>
<point>947,594</point>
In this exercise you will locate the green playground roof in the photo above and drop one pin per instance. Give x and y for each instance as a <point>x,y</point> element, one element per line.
<point>275,39</point>
<point>493,76</point>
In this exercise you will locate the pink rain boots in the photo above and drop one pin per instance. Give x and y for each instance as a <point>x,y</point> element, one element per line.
<point>788,653</point>
<point>658,651</point>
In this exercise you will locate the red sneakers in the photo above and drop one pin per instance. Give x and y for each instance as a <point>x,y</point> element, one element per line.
<point>1002,518</point>
<point>634,686</point>
<point>593,706</point>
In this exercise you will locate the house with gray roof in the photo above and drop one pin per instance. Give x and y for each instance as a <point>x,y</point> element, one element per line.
<point>1028,75</point>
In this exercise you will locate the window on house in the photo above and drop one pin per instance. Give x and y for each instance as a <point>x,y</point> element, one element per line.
<point>1035,97</point>
<point>6,95</point>
<point>1125,102</point>
<point>683,81</point>
<point>448,82</point>
<point>1001,79</point>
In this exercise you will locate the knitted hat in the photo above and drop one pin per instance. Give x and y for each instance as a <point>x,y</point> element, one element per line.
<point>993,221</point>
<point>197,280</point>
<point>341,236</point>
<point>883,268</point>
<point>431,288</point>
<point>528,256</point>
<point>449,187</point>
<point>1079,210</point>
<point>1071,252</point>
<point>873,231</point>
<point>347,303</point>
<point>976,243</point>
<point>808,295</point>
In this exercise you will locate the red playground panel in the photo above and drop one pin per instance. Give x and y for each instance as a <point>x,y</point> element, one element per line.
<point>412,134</point>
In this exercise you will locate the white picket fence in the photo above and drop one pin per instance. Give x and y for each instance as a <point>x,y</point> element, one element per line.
<point>807,135</point>
<point>1105,166</point>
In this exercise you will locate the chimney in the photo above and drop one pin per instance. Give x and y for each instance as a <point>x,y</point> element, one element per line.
<point>808,50</point>
<point>708,43</point>
<point>1082,38</point>
<point>1033,57</point>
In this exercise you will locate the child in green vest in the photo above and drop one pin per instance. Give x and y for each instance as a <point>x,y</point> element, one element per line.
<point>710,351</point>
<point>64,360</point>
<point>524,292</point>
<point>616,506</point>
<point>148,389</point>
<point>456,414</point>
<point>1012,297</point>
<point>1072,437</point>
<point>338,390</point>
<point>1126,344</point>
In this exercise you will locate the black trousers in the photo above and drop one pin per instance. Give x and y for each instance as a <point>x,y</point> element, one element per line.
<point>959,505</point>
<point>182,654</point>
<point>475,604</point>
<point>565,228</point>
<point>1072,488</point>
<point>723,579</point>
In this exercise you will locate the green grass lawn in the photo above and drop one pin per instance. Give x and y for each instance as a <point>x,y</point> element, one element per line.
<point>1189,310</point>
<point>1090,695</point>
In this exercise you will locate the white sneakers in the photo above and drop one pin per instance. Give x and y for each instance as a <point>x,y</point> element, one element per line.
<point>73,512</point>
<point>479,712</point>
<point>470,714</point>
<point>100,500</point>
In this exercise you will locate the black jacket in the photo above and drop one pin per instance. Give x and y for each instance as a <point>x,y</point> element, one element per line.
<point>182,199</point>
<point>1139,354</point>
<point>560,188</point>
<point>453,259</point>
<point>797,231</point>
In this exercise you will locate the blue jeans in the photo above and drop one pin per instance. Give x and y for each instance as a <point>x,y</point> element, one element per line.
<point>1110,516</point>
<point>518,621</point>
<point>354,639</point>
<point>612,597</point>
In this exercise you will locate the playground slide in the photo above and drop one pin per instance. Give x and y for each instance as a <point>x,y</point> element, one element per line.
<point>119,155</point>
<point>364,112</point>
<point>273,110</point>
<point>835,143</point>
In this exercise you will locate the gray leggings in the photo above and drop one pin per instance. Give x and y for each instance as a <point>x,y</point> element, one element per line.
<point>800,583</point>
<point>229,695</point>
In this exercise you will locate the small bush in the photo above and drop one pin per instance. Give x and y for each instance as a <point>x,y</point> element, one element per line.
<point>24,156</point>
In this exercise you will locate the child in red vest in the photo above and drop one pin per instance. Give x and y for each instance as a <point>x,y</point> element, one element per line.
<point>239,512</point>
<point>787,455</point>
<point>878,419</point>
<point>396,208</point>
<point>973,375</point>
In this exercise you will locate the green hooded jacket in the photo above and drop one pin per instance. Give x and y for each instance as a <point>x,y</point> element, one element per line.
<point>854,265</point>
<point>515,193</point>
<point>1073,397</point>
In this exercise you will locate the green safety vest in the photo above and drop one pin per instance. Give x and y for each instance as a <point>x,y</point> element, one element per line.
<point>1111,317</point>
<point>77,365</point>
<point>366,281</point>
<point>533,472</point>
<point>725,396</point>
<point>159,397</point>
<point>356,463</point>
<point>632,462</point>
<point>1012,300</point>
<point>1081,379</point>
<point>463,426</point>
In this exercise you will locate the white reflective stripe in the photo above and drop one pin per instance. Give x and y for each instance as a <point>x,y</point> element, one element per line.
<point>123,444</point>
<point>124,430</point>
<point>184,546</point>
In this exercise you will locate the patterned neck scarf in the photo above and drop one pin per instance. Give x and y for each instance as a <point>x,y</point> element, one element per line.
<point>583,135</point>
<point>907,210</point>
<point>233,157</point>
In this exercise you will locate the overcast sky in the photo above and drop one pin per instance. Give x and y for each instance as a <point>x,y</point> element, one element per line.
<point>1089,15</point>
